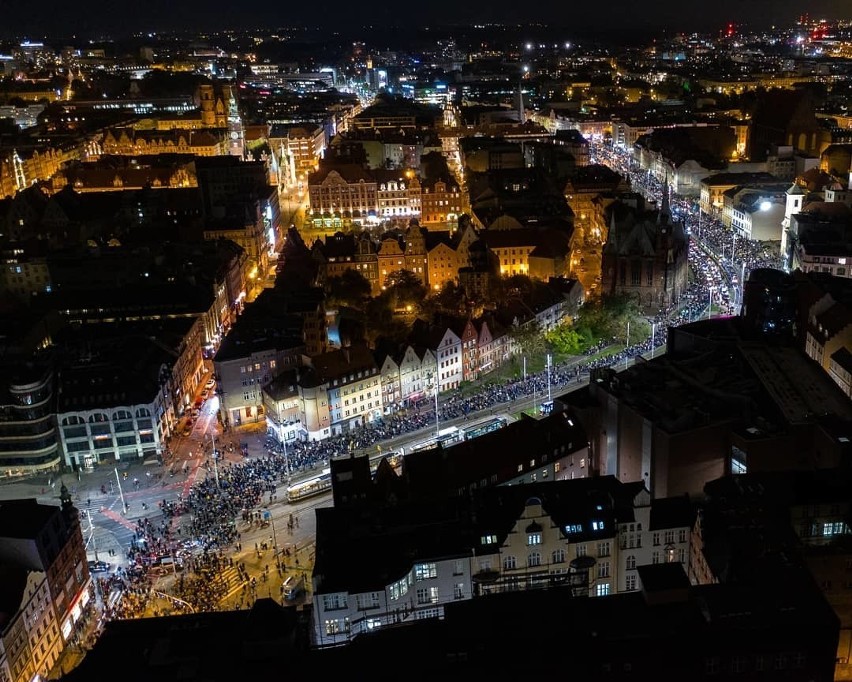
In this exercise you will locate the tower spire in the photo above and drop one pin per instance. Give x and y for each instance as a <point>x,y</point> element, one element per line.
<point>664,204</point>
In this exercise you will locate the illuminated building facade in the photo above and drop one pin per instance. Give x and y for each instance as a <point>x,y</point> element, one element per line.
<point>45,569</point>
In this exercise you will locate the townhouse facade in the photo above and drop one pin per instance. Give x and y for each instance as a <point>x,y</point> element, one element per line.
<point>341,391</point>
<point>45,568</point>
<point>593,548</point>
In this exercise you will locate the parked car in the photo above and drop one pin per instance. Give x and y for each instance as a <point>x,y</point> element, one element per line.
<point>99,566</point>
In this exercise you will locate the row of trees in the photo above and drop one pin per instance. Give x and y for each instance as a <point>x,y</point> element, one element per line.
<point>605,319</point>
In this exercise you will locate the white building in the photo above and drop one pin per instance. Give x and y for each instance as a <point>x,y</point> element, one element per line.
<point>592,544</point>
<point>339,390</point>
<point>449,360</point>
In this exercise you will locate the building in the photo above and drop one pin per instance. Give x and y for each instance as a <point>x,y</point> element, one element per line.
<point>303,143</point>
<point>340,390</point>
<point>748,405</point>
<point>109,409</point>
<point>585,184</point>
<point>342,196</point>
<point>45,580</point>
<point>652,248</point>
<point>713,188</point>
<point>756,214</point>
<point>28,434</point>
<point>271,336</point>
<point>132,142</point>
<point>806,516</point>
<point>441,202</point>
<point>590,537</point>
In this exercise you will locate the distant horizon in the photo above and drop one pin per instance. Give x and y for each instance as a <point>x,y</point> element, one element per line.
<point>51,18</point>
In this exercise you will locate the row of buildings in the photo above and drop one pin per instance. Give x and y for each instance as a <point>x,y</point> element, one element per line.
<point>346,196</point>
<point>264,372</point>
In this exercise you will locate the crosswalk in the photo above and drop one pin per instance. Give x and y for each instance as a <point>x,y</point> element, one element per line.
<point>229,580</point>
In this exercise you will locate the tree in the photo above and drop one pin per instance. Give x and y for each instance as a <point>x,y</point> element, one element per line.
<point>567,341</point>
<point>351,288</point>
<point>404,288</point>
<point>528,337</point>
<point>607,319</point>
<point>450,299</point>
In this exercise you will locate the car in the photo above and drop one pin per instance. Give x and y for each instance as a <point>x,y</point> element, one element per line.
<point>210,384</point>
<point>99,566</point>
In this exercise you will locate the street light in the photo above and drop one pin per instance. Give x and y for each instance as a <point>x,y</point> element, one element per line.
<point>437,426</point>
<point>215,464</point>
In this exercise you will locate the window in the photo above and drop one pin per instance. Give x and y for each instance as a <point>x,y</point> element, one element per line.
<point>711,665</point>
<point>656,539</point>
<point>631,562</point>
<point>458,567</point>
<point>558,556</point>
<point>836,528</point>
<point>630,582</point>
<point>336,626</point>
<point>604,548</point>
<point>533,538</point>
<point>400,588</point>
<point>367,601</point>
<point>425,571</point>
<point>534,559</point>
<point>458,591</point>
<point>602,589</point>
<point>581,550</point>
<point>681,535</point>
<point>332,602</point>
<point>422,595</point>
<point>669,537</point>
<point>603,569</point>
<point>655,558</point>
<point>509,563</point>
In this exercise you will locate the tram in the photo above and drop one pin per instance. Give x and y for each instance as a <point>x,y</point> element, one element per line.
<point>310,487</point>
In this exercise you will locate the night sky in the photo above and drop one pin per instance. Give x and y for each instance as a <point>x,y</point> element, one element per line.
<point>90,16</point>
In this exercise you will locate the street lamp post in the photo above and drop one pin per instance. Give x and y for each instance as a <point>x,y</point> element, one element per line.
<point>548,377</point>
<point>120,491</point>
<point>437,425</point>
<point>215,463</point>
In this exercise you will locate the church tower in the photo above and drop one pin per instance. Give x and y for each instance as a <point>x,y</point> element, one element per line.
<point>207,99</point>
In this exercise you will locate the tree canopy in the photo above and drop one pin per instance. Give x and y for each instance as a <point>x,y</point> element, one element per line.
<point>350,288</point>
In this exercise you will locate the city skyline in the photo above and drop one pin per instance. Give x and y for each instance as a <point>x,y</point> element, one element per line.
<point>55,18</point>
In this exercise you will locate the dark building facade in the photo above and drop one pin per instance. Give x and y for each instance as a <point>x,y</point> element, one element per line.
<point>645,255</point>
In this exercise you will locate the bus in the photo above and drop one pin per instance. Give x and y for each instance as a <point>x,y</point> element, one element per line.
<point>310,487</point>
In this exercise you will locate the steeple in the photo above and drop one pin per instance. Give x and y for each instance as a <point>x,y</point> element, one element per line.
<point>664,204</point>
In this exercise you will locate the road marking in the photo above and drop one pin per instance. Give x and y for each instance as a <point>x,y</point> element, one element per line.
<point>110,514</point>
